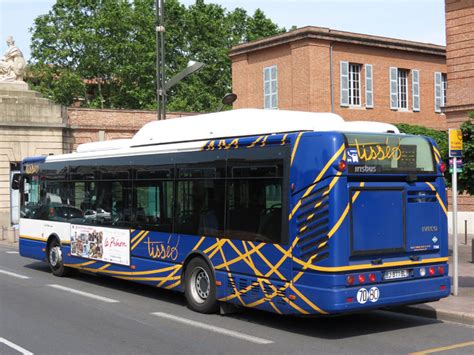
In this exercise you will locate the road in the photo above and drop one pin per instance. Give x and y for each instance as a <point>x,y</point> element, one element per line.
<point>89,314</point>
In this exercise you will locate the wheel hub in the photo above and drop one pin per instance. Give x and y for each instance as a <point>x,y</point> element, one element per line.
<point>55,256</point>
<point>200,285</point>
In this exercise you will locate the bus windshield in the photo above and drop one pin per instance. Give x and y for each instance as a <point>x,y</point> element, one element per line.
<point>388,153</point>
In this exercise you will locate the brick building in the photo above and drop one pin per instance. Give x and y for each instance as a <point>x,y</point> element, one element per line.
<point>360,77</point>
<point>460,63</point>
<point>91,125</point>
<point>460,60</point>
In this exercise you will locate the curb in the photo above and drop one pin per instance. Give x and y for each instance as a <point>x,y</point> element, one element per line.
<point>8,244</point>
<point>439,314</point>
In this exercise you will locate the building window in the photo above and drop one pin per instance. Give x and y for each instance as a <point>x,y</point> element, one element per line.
<point>270,87</point>
<point>444,88</point>
<point>440,87</point>
<point>402,89</point>
<point>354,84</point>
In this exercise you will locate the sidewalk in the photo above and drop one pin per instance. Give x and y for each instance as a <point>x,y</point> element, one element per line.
<point>453,308</point>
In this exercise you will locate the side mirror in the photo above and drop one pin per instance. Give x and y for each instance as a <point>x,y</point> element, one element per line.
<point>16,181</point>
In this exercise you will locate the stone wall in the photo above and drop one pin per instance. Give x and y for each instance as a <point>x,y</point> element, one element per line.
<point>29,125</point>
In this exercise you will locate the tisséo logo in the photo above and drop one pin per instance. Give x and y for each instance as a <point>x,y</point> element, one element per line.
<point>364,295</point>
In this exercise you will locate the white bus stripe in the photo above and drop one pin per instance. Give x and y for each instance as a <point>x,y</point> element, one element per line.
<point>215,329</point>
<point>16,347</point>
<point>82,293</point>
<point>18,276</point>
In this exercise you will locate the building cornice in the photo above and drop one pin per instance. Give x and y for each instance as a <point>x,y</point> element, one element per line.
<point>327,34</point>
<point>459,108</point>
<point>35,125</point>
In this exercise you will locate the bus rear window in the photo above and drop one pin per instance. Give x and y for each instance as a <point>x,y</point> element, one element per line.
<point>384,154</point>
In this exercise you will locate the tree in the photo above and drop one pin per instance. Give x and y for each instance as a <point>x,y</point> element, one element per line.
<point>117,57</point>
<point>440,137</point>
<point>60,84</point>
<point>466,178</point>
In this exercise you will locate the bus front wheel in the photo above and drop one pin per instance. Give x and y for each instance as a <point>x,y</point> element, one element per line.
<point>200,287</point>
<point>55,259</point>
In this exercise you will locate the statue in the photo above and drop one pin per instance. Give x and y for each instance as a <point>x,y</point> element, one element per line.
<point>12,64</point>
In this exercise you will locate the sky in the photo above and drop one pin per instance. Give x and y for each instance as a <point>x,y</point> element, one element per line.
<point>417,20</point>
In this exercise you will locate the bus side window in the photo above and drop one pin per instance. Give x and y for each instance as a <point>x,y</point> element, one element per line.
<point>200,207</point>
<point>153,205</point>
<point>83,197</point>
<point>106,203</point>
<point>254,202</point>
<point>30,197</point>
<point>54,201</point>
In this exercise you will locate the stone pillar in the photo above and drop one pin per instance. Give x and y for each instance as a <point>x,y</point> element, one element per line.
<point>29,125</point>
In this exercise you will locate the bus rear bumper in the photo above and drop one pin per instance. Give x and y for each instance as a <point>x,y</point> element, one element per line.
<point>342,300</point>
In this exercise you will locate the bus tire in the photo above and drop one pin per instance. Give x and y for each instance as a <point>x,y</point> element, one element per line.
<point>55,259</point>
<point>200,287</point>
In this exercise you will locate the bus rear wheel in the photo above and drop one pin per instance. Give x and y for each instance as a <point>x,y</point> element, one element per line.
<point>55,259</point>
<point>200,287</point>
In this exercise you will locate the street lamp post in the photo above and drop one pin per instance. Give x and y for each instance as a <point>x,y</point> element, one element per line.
<point>160,60</point>
<point>161,85</point>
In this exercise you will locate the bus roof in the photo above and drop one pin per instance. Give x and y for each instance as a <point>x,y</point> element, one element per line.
<point>235,123</point>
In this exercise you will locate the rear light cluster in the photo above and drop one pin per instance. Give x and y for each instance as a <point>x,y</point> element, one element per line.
<point>342,165</point>
<point>431,271</point>
<point>361,279</point>
<point>442,167</point>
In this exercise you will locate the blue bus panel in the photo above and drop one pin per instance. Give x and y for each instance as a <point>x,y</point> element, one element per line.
<point>351,239</point>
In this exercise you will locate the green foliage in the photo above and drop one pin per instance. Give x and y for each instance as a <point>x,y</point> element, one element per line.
<point>440,137</point>
<point>60,84</point>
<point>111,44</point>
<point>466,178</point>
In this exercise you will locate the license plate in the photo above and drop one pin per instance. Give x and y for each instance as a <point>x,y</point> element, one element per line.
<point>396,274</point>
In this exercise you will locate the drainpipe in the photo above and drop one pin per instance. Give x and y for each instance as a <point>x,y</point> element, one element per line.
<point>331,78</point>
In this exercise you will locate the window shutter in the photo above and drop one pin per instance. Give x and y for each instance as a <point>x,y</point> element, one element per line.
<point>369,87</point>
<point>274,87</point>
<point>344,84</point>
<point>393,88</point>
<point>416,90</point>
<point>437,89</point>
<point>266,88</point>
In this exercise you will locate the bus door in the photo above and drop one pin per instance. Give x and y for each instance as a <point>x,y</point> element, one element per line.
<point>14,196</point>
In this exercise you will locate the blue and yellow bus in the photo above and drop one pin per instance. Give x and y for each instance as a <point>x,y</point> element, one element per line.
<point>287,212</point>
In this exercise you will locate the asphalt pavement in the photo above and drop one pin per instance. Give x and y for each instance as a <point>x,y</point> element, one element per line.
<point>90,314</point>
<point>458,308</point>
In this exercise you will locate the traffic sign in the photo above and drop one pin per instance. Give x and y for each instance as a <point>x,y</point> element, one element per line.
<point>455,150</point>
<point>455,142</point>
<point>459,164</point>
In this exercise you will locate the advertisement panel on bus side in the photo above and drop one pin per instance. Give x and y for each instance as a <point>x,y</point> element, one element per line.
<point>98,243</point>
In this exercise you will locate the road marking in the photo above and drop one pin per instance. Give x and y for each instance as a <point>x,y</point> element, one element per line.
<point>13,274</point>
<point>82,293</point>
<point>12,252</point>
<point>444,348</point>
<point>16,347</point>
<point>214,329</point>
